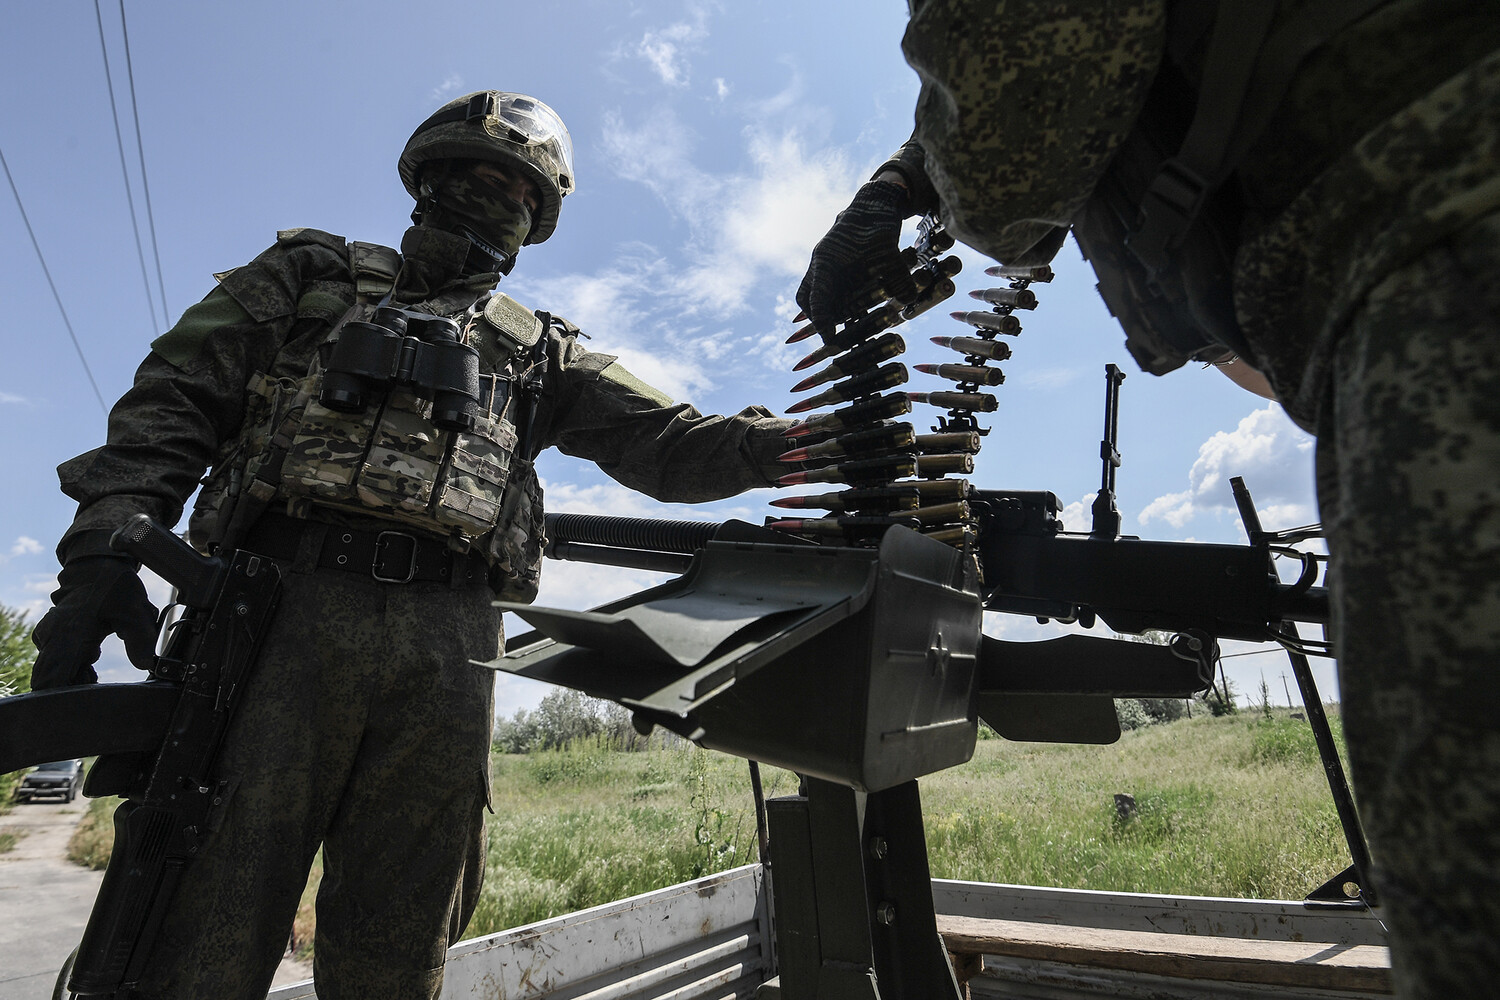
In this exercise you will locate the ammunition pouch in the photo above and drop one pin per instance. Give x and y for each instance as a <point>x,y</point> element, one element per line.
<point>403,418</point>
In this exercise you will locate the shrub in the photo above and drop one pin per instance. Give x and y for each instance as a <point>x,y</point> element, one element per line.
<point>1164,709</point>
<point>17,654</point>
<point>581,760</point>
<point>1131,714</point>
<point>93,838</point>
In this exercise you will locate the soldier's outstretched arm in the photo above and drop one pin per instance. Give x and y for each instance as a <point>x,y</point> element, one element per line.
<point>595,409</point>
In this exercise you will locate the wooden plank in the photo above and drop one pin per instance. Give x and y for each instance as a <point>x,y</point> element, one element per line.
<point>1286,920</point>
<point>1302,964</point>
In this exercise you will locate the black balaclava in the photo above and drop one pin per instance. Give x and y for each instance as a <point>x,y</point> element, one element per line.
<point>460,201</point>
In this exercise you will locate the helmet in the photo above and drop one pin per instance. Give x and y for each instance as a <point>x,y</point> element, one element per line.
<point>513,129</point>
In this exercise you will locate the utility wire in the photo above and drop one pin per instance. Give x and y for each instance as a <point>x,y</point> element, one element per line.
<point>120,143</point>
<point>146,187</point>
<point>51,284</point>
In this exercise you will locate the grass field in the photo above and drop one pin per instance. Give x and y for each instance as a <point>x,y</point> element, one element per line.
<point>1231,806</point>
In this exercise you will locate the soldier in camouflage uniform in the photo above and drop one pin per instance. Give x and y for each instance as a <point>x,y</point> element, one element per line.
<point>1362,277</point>
<point>365,729</point>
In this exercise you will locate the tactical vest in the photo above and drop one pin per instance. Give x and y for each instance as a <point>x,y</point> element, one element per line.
<point>389,459</point>
<point>1161,228</point>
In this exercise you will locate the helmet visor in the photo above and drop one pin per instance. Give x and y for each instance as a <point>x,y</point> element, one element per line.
<point>537,122</point>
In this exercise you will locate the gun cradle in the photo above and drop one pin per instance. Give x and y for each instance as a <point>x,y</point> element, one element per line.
<point>852,665</point>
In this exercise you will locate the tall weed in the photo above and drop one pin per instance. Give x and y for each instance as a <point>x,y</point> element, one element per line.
<point>93,838</point>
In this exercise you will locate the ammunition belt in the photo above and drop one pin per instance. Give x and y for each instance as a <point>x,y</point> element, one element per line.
<point>388,555</point>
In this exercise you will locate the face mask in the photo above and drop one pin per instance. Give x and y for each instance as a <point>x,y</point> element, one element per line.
<point>480,211</point>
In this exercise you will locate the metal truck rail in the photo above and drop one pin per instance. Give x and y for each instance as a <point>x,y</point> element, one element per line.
<point>710,939</point>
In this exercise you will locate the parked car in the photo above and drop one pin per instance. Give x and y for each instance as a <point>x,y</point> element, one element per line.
<point>61,777</point>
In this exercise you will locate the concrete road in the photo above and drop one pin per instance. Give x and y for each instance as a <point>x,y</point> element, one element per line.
<point>45,901</point>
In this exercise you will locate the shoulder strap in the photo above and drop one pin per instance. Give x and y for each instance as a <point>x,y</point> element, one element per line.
<point>375,269</point>
<point>1246,72</point>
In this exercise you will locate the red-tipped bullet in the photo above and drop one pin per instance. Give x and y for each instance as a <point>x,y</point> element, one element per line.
<point>964,373</point>
<point>801,334</point>
<point>852,388</point>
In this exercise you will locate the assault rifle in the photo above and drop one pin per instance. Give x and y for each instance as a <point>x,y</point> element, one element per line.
<point>158,742</point>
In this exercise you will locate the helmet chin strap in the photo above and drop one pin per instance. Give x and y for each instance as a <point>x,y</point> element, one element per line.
<point>483,256</point>
<point>494,258</point>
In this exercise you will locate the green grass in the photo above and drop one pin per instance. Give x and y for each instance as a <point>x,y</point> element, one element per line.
<point>1230,806</point>
<point>582,826</point>
<point>8,840</point>
<point>94,836</point>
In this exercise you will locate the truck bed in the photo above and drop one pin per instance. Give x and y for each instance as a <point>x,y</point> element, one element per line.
<point>709,939</point>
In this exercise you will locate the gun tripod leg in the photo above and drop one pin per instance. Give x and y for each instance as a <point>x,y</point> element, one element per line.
<point>853,896</point>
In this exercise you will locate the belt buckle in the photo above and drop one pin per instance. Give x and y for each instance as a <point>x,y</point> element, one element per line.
<point>377,565</point>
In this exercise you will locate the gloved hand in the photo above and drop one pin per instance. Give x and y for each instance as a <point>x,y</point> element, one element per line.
<point>98,594</point>
<point>864,243</point>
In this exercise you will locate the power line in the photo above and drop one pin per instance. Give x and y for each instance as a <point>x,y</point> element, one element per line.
<point>145,186</point>
<point>120,143</point>
<point>52,285</point>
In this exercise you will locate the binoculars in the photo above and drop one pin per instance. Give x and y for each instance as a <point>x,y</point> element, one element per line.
<point>397,348</point>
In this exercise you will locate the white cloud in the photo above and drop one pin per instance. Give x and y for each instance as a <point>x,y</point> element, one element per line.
<point>1269,452</point>
<point>666,50</point>
<point>10,397</point>
<point>749,237</point>
<point>25,546</point>
<point>451,87</point>
<point>661,51</point>
<point>1045,378</point>
<point>721,88</point>
<point>746,226</point>
<point>1079,515</point>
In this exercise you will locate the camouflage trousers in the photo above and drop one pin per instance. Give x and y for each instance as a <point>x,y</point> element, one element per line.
<point>365,731</point>
<point>1409,486</point>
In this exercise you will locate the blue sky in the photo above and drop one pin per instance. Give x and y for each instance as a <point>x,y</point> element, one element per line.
<point>714,144</point>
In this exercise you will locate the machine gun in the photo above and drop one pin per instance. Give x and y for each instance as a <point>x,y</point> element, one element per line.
<point>158,740</point>
<point>862,666</point>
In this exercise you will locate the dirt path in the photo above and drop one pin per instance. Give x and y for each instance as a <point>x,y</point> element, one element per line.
<point>45,901</point>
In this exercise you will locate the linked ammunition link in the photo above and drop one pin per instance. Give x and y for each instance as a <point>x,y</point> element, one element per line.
<point>896,475</point>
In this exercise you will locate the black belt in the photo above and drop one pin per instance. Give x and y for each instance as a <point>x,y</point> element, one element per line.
<point>389,555</point>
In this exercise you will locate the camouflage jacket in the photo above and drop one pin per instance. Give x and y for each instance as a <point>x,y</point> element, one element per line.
<point>195,396</point>
<point>1384,143</point>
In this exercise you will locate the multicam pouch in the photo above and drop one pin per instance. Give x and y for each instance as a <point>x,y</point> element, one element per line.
<point>514,548</point>
<point>268,401</point>
<point>328,447</point>
<point>390,457</point>
<point>405,456</point>
<point>471,490</point>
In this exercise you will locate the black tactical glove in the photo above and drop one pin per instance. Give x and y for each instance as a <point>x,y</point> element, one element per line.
<point>864,245</point>
<point>99,593</point>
